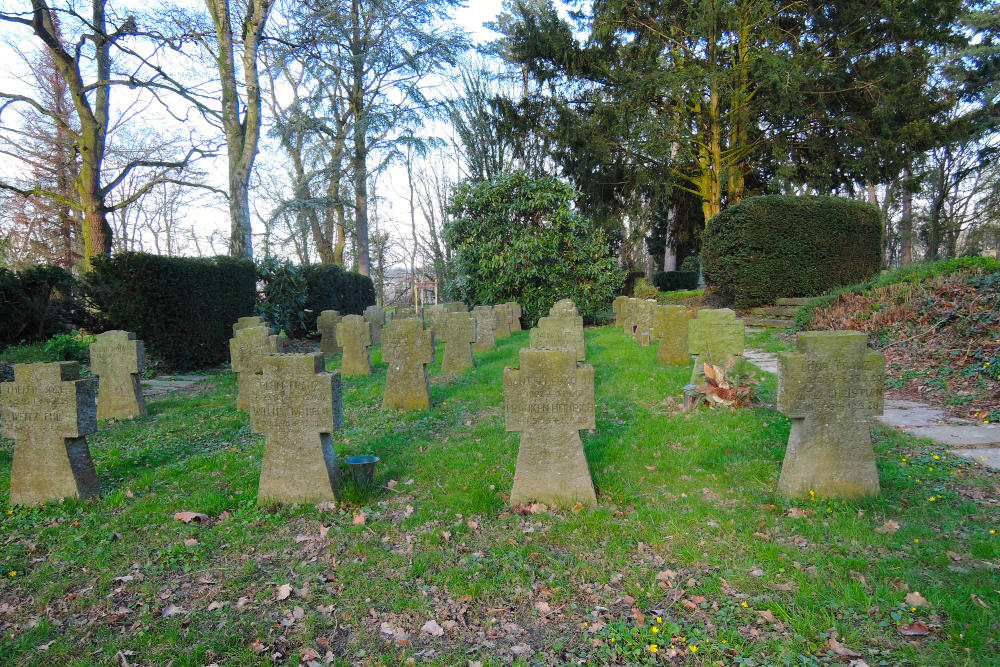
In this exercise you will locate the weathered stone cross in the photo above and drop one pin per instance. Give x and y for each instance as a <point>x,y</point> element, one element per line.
<point>407,348</point>
<point>717,332</point>
<point>327,323</point>
<point>117,358</point>
<point>831,387</point>
<point>246,349</point>
<point>486,327</point>
<point>297,407</point>
<point>670,328</point>
<point>355,334</point>
<point>458,331</point>
<point>48,411</point>
<point>549,399</point>
<point>560,331</point>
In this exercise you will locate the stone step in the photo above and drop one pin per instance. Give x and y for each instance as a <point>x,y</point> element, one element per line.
<point>792,301</point>
<point>768,322</point>
<point>776,312</point>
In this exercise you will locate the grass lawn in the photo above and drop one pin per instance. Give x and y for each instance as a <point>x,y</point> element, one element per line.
<point>690,558</point>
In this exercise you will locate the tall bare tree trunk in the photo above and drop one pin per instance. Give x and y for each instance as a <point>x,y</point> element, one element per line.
<point>906,223</point>
<point>362,257</point>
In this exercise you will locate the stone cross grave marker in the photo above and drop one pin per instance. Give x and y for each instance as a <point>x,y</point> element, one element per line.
<point>830,386</point>
<point>643,312</point>
<point>246,349</point>
<point>670,328</point>
<point>619,305</point>
<point>296,406</point>
<point>486,326</point>
<point>432,316</point>
<point>458,331</point>
<point>48,411</point>
<point>504,316</point>
<point>456,307</point>
<point>249,322</point>
<point>118,359</point>
<point>515,312</point>
<point>549,399</point>
<point>407,349</point>
<point>355,335</point>
<point>560,331</point>
<point>407,313</point>
<point>327,324</point>
<point>715,331</point>
<point>564,308</point>
<point>375,315</point>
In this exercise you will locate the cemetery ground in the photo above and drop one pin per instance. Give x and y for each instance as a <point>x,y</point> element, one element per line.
<point>689,558</point>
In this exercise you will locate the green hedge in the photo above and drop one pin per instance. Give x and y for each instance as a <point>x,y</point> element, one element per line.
<point>182,308</point>
<point>776,246</point>
<point>669,281</point>
<point>36,303</point>
<point>329,287</point>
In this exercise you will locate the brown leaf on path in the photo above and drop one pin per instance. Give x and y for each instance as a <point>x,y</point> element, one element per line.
<point>640,619</point>
<point>768,616</point>
<point>216,605</point>
<point>796,513</point>
<point>543,608</point>
<point>432,628</point>
<point>650,467</point>
<point>666,575</point>
<point>576,509</point>
<point>915,599</point>
<point>769,507</point>
<point>409,511</point>
<point>359,519</point>
<point>190,542</point>
<point>392,484</point>
<point>309,654</point>
<point>224,515</point>
<point>915,629</point>
<point>242,602</point>
<point>837,648</point>
<point>284,590</point>
<point>954,556</point>
<point>324,531</point>
<point>687,604</point>
<point>756,572</point>
<point>188,517</point>
<point>889,526</point>
<point>172,610</point>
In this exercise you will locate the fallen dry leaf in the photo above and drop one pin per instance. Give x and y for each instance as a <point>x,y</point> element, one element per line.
<point>216,605</point>
<point>978,600</point>
<point>915,629</point>
<point>543,608</point>
<point>756,572</point>
<point>409,510</point>
<point>915,599</point>
<point>767,615</point>
<point>359,519</point>
<point>640,619</point>
<point>190,542</point>
<point>432,628</point>
<point>889,526</point>
<point>171,610</point>
<point>576,509</point>
<point>392,484</point>
<point>954,556</point>
<point>796,513</point>
<point>666,575</point>
<point>284,590</point>
<point>188,517</point>
<point>837,648</point>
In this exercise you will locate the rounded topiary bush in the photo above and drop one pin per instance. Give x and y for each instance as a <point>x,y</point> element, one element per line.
<point>764,248</point>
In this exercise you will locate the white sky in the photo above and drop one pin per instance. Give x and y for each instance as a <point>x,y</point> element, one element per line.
<point>391,186</point>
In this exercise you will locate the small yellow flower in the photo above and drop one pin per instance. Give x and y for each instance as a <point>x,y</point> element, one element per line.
<point>936,457</point>
<point>10,511</point>
<point>931,469</point>
<point>913,608</point>
<point>744,604</point>
<point>612,639</point>
<point>585,624</point>
<point>916,540</point>
<point>659,620</point>
<point>12,573</point>
<point>932,499</point>
<point>694,648</point>
<point>653,648</point>
<point>655,630</point>
<point>992,532</point>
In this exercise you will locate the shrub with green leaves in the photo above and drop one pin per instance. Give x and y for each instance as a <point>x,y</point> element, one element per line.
<point>518,238</point>
<point>776,246</point>
<point>36,302</point>
<point>329,287</point>
<point>182,308</point>
<point>284,299</point>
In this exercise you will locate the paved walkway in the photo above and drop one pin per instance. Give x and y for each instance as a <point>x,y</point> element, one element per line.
<point>166,384</point>
<point>975,441</point>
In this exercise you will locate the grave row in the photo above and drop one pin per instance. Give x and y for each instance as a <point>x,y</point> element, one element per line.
<point>830,387</point>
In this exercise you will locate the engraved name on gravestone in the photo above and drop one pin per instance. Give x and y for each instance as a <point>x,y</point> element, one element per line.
<point>560,331</point>
<point>619,305</point>
<point>354,333</point>
<point>327,323</point>
<point>118,359</point>
<point>296,406</point>
<point>549,399</point>
<point>515,312</point>
<point>670,328</point>
<point>48,411</point>
<point>486,326</point>
<point>503,315</point>
<point>831,387</point>
<point>458,331</point>
<point>375,315</point>
<point>246,349</point>
<point>718,332</point>
<point>407,349</point>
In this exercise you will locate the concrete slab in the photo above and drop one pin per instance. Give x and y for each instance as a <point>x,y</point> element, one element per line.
<point>168,383</point>
<point>907,414</point>
<point>986,457</point>
<point>957,435</point>
<point>765,361</point>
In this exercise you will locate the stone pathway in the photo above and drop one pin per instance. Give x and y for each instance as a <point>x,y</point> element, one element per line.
<point>166,384</point>
<point>975,441</point>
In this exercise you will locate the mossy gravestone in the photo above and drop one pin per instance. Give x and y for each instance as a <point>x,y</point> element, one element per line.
<point>246,350</point>
<point>549,399</point>
<point>560,331</point>
<point>717,332</point>
<point>375,315</point>
<point>503,316</point>
<point>406,313</point>
<point>327,323</point>
<point>407,349</point>
<point>249,322</point>
<point>563,308</point>
<point>432,316</point>
<point>458,331</point>
<point>830,386</point>
<point>354,333</point>
<point>619,305</point>
<point>486,327</point>
<point>670,328</point>
<point>118,359</point>
<point>296,406</point>
<point>48,411</point>
<point>628,315</point>
<point>643,312</point>
<point>515,313</point>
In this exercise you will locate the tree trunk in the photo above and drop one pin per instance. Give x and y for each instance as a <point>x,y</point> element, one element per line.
<point>906,223</point>
<point>362,257</point>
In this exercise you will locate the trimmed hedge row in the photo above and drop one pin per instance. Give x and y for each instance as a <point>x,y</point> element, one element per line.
<point>776,246</point>
<point>182,308</point>
<point>669,281</point>
<point>329,287</point>
<point>36,303</point>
